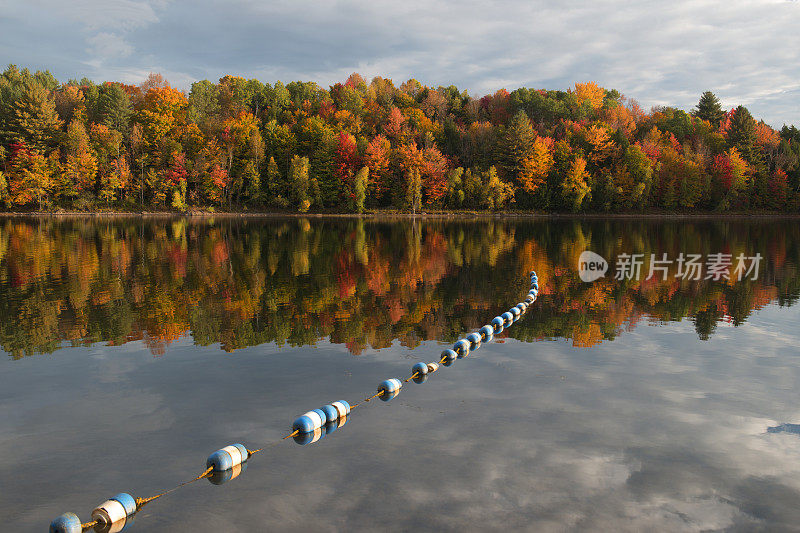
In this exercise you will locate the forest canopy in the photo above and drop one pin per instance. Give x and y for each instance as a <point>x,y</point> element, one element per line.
<point>242,144</point>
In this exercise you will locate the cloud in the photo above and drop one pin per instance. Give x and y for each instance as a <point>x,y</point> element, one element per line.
<point>108,45</point>
<point>656,53</point>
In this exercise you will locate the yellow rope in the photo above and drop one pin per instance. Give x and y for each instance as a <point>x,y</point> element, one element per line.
<point>366,400</point>
<point>91,524</point>
<point>415,374</point>
<point>141,502</point>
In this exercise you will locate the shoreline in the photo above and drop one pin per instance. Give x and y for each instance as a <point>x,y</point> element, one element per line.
<point>448,215</point>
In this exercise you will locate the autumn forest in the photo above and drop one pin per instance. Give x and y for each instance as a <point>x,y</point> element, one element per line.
<point>242,144</point>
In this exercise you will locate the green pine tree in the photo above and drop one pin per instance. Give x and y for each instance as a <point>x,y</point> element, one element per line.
<point>709,108</point>
<point>516,146</point>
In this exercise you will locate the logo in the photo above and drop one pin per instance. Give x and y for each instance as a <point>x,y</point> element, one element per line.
<point>591,266</point>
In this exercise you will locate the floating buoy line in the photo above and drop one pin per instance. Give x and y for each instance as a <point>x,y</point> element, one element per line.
<point>117,513</point>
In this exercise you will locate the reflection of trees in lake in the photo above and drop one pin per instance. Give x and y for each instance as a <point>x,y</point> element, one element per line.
<point>362,283</point>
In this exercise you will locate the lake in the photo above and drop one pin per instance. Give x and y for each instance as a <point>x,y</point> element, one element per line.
<point>134,348</point>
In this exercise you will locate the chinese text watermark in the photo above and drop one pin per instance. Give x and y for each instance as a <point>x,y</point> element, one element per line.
<point>694,267</point>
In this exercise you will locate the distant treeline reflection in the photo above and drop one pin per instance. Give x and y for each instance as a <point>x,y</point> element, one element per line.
<point>362,283</point>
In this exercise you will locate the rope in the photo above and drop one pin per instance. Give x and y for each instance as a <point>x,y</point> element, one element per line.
<point>272,444</point>
<point>415,374</point>
<point>91,524</point>
<point>366,400</point>
<point>141,502</point>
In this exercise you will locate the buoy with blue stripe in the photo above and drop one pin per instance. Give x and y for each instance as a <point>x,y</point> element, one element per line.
<point>486,333</point>
<point>522,306</point>
<point>220,478</point>
<point>448,357</point>
<point>343,408</point>
<point>308,422</point>
<point>331,413</point>
<point>514,311</point>
<point>390,388</point>
<point>461,347</point>
<point>227,457</point>
<point>420,369</point>
<point>66,523</point>
<point>474,341</point>
<point>508,317</point>
<point>498,323</point>
<point>115,513</point>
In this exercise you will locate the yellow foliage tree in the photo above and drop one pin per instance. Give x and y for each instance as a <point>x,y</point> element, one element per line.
<point>590,92</point>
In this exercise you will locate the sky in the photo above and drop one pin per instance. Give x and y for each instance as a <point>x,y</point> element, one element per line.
<point>655,52</point>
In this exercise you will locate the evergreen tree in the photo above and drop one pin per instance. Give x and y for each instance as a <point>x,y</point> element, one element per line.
<point>114,107</point>
<point>742,134</point>
<point>516,148</point>
<point>709,108</point>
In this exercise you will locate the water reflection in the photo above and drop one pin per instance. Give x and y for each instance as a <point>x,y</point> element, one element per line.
<point>359,283</point>
<point>217,477</point>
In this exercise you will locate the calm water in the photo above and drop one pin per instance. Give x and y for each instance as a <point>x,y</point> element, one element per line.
<point>133,349</point>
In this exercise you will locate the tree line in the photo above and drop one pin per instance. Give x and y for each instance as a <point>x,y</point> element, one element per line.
<point>244,144</point>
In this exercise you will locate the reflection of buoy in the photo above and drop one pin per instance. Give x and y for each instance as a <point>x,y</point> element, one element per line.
<point>220,478</point>
<point>66,523</point>
<point>227,457</point>
<point>448,356</point>
<point>474,341</point>
<point>330,427</point>
<point>308,438</point>
<point>461,348</point>
<point>498,324</point>
<point>487,333</point>
<point>116,527</point>
<point>389,395</point>
<point>114,514</point>
<point>390,388</point>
